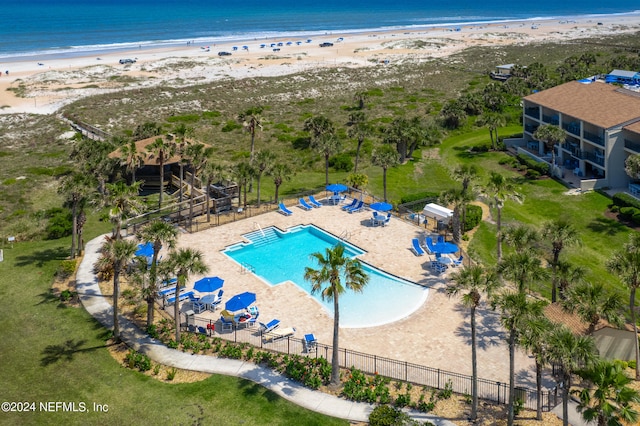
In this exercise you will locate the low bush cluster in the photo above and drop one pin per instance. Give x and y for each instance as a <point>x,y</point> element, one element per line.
<point>359,387</point>
<point>472,217</point>
<point>137,360</point>
<point>311,372</point>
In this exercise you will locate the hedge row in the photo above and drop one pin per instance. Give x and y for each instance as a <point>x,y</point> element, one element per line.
<point>538,166</point>
<point>622,199</point>
<point>472,217</point>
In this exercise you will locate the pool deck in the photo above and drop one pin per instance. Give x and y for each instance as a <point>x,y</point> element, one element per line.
<point>436,335</point>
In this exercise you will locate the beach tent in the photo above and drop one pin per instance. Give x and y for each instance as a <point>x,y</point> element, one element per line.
<point>437,212</point>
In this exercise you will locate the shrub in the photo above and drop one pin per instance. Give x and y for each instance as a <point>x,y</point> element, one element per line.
<point>428,197</point>
<point>171,374</point>
<point>627,213</point>
<point>540,167</point>
<point>447,391</point>
<point>403,400</point>
<point>472,217</point>
<point>386,415</point>
<point>66,269</point>
<point>137,360</point>
<point>67,295</point>
<point>152,331</point>
<point>60,225</point>
<point>622,199</point>
<point>360,388</point>
<point>532,174</point>
<point>341,162</point>
<point>231,125</point>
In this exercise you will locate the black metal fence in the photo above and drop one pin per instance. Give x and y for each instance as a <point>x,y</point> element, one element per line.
<point>416,374</point>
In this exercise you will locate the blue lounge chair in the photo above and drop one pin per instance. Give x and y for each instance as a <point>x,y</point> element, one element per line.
<point>357,208</point>
<point>303,204</point>
<point>284,210</point>
<point>270,326</point>
<point>309,342</point>
<point>429,244</point>
<point>350,206</point>
<point>416,247</point>
<point>458,261</point>
<point>182,296</point>
<point>167,291</point>
<point>313,201</point>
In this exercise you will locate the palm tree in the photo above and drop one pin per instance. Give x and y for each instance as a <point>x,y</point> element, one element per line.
<point>162,149</point>
<point>184,262</point>
<point>123,202</point>
<point>358,129</point>
<point>198,155</point>
<point>280,172</point>
<point>492,120</point>
<point>357,180</point>
<point>76,188</point>
<point>592,302</point>
<point>242,173</point>
<point>327,145</point>
<point>264,161</point>
<point>156,232</point>
<point>211,173</point>
<point>94,160</point>
<point>568,274</point>
<point>570,353</point>
<point>608,402</point>
<point>515,311</point>
<point>471,282</point>
<point>456,199</point>
<point>133,159</point>
<point>251,122</point>
<point>465,174</point>
<point>453,115</point>
<point>179,138</point>
<point>533,337</point>
<point>560,233</point>
<point>119,252</point>
<point>521,237</point>
<point>360,98</point>
<point>522,268</point>
<point>500,189</point>
<point>550,135</point>
<point>385,156</point>
<point>334,267</point>
<point>626,264</point>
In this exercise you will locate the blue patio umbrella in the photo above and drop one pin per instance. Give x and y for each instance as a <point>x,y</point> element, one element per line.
<point>444,248</point>
<point>336,187</point>
<point>381,206</point>
<point>145,250</point>
<point>208,284</point>
<point>240,301</point>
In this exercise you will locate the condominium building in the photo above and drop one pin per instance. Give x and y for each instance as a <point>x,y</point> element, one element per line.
<point>602,123</point>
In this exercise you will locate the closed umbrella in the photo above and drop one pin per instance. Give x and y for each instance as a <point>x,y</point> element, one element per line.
<point>208,284</point>
<point>381,207</point>
<point>240,301</point>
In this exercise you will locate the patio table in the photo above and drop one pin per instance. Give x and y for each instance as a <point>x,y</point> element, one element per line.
<point>207,301</point>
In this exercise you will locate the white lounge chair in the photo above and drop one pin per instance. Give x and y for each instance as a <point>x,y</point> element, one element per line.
<point>279,333</point>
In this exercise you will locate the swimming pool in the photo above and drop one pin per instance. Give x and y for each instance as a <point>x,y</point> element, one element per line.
<point>277,256</point>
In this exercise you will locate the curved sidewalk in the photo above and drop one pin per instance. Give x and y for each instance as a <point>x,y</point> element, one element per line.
<point>93,301</point>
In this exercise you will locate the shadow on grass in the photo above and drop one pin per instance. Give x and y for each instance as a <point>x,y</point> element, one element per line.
<point>41,257</point>
<point>467,152</point>
<point>65,351</point>
<point>603,225</point>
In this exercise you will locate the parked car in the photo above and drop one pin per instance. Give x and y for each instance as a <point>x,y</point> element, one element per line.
<point>326,44</point>
<point>127,61</point>
<point>224,53</point>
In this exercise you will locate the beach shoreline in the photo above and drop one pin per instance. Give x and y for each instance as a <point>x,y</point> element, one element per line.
<point>47,83</point>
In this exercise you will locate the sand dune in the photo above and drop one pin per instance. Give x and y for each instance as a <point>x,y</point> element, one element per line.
<point>43,85</point>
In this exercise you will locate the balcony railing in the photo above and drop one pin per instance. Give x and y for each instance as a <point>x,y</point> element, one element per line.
<point>633,146</point>
<point>594,157</point>
<point>573,128</point>
<point>531,128</point>
<point>532,112</point>
<point>592,137</point>
<point>555,120</point>
<point>572,148</point>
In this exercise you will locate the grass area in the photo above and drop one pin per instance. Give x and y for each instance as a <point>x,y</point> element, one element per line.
<point>53,352</point>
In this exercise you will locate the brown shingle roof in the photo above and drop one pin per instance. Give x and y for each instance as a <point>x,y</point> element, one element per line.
<point>598,103</point>
<point>635,127</point>
<point>555,313</point>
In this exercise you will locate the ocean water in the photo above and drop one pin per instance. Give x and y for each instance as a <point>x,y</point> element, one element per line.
<point>70,27</point>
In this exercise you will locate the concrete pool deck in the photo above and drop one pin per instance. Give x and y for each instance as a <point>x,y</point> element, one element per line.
<point>436,335</point>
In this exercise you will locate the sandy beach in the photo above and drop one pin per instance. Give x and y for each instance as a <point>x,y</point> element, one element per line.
<point>43,85</point>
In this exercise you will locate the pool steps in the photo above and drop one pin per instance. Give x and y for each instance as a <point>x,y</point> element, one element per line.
<point>262,237</point>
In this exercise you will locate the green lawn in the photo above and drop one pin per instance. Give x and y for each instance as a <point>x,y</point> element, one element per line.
<point>51,352</point>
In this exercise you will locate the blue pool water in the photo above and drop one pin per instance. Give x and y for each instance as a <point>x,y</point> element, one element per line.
<point>279,256</point>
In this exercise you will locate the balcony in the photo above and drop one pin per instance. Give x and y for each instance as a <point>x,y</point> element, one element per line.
<point>631,145</point>
<point>531,128</point>
<point>573,128</point>
<point>533,112</point>
<point>592,137</point>
<point>573,148</point>
<point>594,157</point>
<point>555,120</point>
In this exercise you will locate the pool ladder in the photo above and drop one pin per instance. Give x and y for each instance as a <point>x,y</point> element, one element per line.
<point>257,225</point>
<point>247,267</point>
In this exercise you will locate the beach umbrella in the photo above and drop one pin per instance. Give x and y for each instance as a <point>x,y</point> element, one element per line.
<point>208,284</point>
<point>444,248</point>
<point>336,187</point>
<point>145,250</point>
<point>240,301</point>
<point>381,207</point>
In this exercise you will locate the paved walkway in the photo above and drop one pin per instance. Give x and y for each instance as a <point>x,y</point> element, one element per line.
<point>93,301</point>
